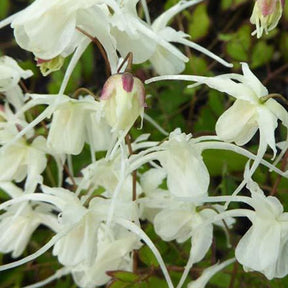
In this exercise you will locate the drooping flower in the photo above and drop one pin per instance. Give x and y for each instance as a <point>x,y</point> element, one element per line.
<point>22,160</point>
<point>253,109</point>
<point>49,29</point>
<point>19,222</point>
<point>105,174</point>
<point>74,122</point>
<point>154,42</point>
<point>114,252</point>
<point>266,15</point>
<point>264,247</point>
<point>187,175</point>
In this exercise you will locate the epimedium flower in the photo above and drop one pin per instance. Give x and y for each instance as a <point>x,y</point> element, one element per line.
<point>23,159</point>
<point>164,60</point>
<point>49,30</point>
<point>254,108</point>
<point>264,247</point>
<point>266,15</point>
<point>100,247</point>
<point>20,221</point>
<point>74,122</point>
<point>153,42</point>
<point>180,158</point>
<point>105,174</point>
<point>187,175</point>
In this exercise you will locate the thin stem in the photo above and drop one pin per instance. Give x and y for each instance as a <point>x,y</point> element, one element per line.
<point>85,90</point>
<point>100,47</point>
<point>263,99</point>
<point>134,173</point>
<point>129,60</point>
<point>234,274</point>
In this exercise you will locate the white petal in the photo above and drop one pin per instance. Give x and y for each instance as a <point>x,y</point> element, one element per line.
<point>238,123</point>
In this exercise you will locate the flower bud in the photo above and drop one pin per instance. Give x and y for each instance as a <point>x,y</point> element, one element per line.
<point>266,15</point>
<point>51,65</point>
<point>124,100</point>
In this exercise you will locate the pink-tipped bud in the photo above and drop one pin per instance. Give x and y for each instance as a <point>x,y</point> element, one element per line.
<point>266,15</point>
<point>124,97</point>
<point>127,81</point>
<point>49,65</point>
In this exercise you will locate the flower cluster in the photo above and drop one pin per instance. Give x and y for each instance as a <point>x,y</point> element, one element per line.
<point>97,217</point>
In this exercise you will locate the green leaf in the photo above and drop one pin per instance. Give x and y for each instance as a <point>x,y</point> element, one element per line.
<point>216,102</point>
<point>238,47</point>
<point>147,257</point>
<point>120,284</point>
<point>197,66</point>
<point>206,120</point>
<point>231,4</point>
<point>154,282</point>
<point>262,54</point>
<point>4,8</point>
<point>199,22</point>
<point>215,160</point>
<point>284,44</point>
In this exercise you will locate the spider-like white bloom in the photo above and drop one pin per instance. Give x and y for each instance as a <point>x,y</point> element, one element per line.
<point>264,247</point>
<point>153,42</point>
<point>253,109</point>
<point>21,160</point>
<point>74,122</point>
<point>49,30</point>
<point>19,222</point>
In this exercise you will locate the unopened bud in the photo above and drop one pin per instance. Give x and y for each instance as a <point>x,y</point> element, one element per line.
<point>266,15</point>
<point>124,97</point>
<point>48,66</point>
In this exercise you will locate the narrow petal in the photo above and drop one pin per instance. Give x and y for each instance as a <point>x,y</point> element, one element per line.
<point>267,122</point>
<point>253,81</point>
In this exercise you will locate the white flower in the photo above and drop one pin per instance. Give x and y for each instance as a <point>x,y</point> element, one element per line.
<point>106,174</point>
<point>264,247</point>
<point>19,222</point>
<point>266,15</point>
<point>164,59</point>
<point>153,42</point>
<point>48,29</point>
<point>22,160</point>
<point>74,122</point>
<point>187,175</point>
<point>114,252</point>
<point>253,109</point>
<point>155,198</point>
<point>16,228</point>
